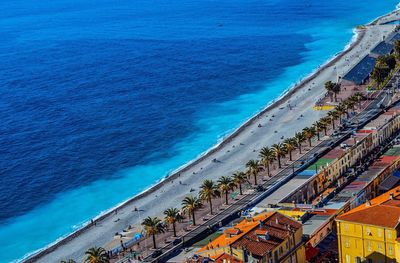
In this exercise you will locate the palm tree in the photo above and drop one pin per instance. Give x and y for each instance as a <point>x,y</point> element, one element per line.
<point>190,204</point>
<point>309,133</point>
<point>267,156</point>
<point>299,136</point>
<point>226,184</point>
<point>336,90</point>
<point>209,190</point>
<point>238,179</point>
<point>290,146</point>
<point>96,255</point>
<point>340,109</point>
<point>280,151</point>
<point>319,126</point>
<point>333,115</point>
<point>172,216</point>
<point>253,168</point>
<point>153,226</point>
<point>325,122</point>
<point>329,86</point>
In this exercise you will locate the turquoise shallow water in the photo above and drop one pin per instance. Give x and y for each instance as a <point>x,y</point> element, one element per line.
<point>84,83</point>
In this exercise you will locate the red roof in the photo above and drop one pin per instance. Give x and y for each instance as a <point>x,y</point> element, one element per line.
<point>278,226</point>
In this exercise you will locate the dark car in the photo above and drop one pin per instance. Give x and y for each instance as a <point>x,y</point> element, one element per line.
<point>176,241</point>
<point>156,254</point>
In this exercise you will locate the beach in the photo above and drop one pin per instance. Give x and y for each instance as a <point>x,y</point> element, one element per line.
<point>287,115</point>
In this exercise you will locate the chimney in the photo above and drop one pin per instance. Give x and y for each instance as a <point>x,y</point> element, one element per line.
<point>367,203</point>
<point>277,221</point>
<point>266,235</point>
<point>391,196</point>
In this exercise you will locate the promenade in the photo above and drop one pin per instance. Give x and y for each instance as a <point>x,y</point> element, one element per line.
<point>275,122</point>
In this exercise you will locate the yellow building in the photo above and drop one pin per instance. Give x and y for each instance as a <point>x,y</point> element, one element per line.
<point>370,232</point>
<point>269,237</point>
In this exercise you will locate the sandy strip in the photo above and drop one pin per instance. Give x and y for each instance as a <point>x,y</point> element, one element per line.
<point>233,153</point>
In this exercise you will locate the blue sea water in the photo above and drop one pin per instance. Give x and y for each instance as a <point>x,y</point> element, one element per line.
<point>101,99</point>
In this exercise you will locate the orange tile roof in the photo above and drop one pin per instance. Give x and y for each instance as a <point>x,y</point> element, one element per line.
<point>232,231</point>
<point>227,258</point>
<point>278,227</point>
<point>244,226</point>
<point>379,215</point>
<point>381,211</point>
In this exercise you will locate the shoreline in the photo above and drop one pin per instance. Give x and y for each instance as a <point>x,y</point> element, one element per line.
<point>275,103</point>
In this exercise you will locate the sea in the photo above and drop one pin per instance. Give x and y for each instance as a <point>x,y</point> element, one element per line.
<point>101,99</point>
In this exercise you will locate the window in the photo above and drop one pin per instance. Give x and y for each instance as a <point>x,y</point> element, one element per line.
<point>368,231</point>
<point>346,242</point>
<point>347,258</point>
<point>389,234</point>
<point>380,247</point>
<point>369,246</point>
<point>346,227</point>
<point>379,232</point>
<point>358,260</point>
<point>390,248</point>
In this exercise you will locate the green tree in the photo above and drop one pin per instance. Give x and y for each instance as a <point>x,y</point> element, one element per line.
<point>380,72</point>
<point>300,138</point>
<point>397,50</point>
<point>190,204</point>
<point>226,184</point>
<point>172,216</point>
<point>96,255</point>
<point>319,127</point>
<point>280,151</point>
<point>290,145</point>
<point>253,167</point>
<point>208,191</point>
<point>389,60</point>
<point>238,179</point>
<point>267,156</point>
<point>333,115</point>
<point>152,227</point>
<point>329,86</point>
<point>309,133</point>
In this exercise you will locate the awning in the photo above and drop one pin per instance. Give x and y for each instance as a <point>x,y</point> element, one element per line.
<point>389,183</point>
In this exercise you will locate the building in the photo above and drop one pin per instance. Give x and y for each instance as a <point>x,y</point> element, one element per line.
<point>269,237</point>
<point>371,232</point>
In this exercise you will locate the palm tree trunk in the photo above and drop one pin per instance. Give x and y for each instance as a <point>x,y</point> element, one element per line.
<point>226,197</point>
<point>318,136</point>
<point>300,148</point>
<point>325,132</point>
<point>279,162</point>
<point>290,155</point>
<point>240,189</point>
<point>333,124</point>
<point>174,228</point>
<point>194,220</point>
<point>154,241</point>
<point>309,141</point>
<point>268,171</point>
<point>210,202</point>
<point>255,178</point>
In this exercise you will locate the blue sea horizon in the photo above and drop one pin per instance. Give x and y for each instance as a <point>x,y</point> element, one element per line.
<point>97,94</point>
